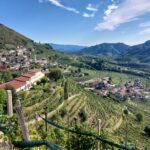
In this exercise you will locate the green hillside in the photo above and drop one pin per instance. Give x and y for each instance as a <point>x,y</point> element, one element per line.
<point>139,52</point>
<point>10,39</point>
<point>107,49</point>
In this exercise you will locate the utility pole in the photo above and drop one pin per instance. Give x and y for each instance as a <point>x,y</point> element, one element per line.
<point>99,130</point>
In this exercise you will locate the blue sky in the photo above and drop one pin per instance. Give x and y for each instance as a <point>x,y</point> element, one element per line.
<point>82,22</point>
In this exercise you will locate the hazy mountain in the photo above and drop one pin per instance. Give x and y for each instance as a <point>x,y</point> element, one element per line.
<point>108,49</point>
<point>140,52</point>
<point>67,48</point>
<point>10,39</point>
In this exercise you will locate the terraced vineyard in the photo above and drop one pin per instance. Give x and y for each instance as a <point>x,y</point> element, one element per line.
<point>110,112</point>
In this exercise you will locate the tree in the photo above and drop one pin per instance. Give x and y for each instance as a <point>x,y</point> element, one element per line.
<point>55,74</point>
<point>2,101</point>
<point>139,117</point>
<point>44,81</point>
<point>66,91</point>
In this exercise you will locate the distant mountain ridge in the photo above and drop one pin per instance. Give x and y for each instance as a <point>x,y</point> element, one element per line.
<point>109,49</point>
<point>67,48</point>
<point>10,39</point>
<point>140,52</point>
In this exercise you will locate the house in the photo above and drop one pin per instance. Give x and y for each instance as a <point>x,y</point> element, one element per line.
<point>24,82</point>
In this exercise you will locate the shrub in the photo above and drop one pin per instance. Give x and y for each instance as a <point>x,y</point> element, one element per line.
<point>147,130</point>
<point>139,117</point>
<point>63,113</point>
<point>126,112</point>
<point>44,80</point>
<point>83,116</point>
<point>55,74</point>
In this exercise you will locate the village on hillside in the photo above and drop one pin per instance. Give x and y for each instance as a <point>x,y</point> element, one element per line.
<point>105,87</point>
<point>20,58</point>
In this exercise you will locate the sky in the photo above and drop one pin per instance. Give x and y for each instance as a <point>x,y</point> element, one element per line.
<point>79,22</point>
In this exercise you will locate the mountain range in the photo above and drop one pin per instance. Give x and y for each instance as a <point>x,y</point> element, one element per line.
<point>140,52</point>
<point>110,49</point>
<point>10,39</point>
<point>67,48</point>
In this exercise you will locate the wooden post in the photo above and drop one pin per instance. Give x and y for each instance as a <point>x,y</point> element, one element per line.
<point>46,117</point>
<point>24,129</point>
<point>126,135</point>
<point>99,130</point>
<point>68,132</point>
<point>9,103</point>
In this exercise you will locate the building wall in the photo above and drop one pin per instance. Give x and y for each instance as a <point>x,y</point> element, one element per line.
<point>32,81</point>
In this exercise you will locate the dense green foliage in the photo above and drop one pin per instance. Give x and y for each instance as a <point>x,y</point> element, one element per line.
<point>2,101</point>
<point>139,117</point>
<point>55,74</point>
<point>81,142</point>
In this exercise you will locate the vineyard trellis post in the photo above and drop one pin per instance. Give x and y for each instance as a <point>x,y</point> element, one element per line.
<point>126,134</point>
<point>24,129</point>
<point>46,117</point>
<point>99,130</point>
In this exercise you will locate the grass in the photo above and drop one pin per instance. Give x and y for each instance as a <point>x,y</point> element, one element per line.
<point>117,78</point>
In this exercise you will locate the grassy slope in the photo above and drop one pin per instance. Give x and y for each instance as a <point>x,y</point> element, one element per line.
<point>11,39</point>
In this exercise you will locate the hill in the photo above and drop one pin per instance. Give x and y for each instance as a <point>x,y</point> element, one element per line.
<point>10,39</point>
<point>108,49</point>
<point>67,48</point>
<point>140,52</point>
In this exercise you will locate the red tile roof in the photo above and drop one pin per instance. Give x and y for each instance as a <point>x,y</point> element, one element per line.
<point>33,71</point>
<point>16,84</point>
<point>22,79</point>
<point>13,84</point>
<point>3,86</point>
<point>27,75</point>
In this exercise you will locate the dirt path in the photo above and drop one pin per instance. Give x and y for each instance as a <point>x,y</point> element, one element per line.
<point>33,121</point>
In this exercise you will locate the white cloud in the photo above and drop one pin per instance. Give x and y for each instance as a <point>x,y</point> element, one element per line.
<point>145,31</point>
<point>91,7</point>
<point>109,10</point>
<point>87,15</point>
<point>127,11</point>
<point>59,4</point>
